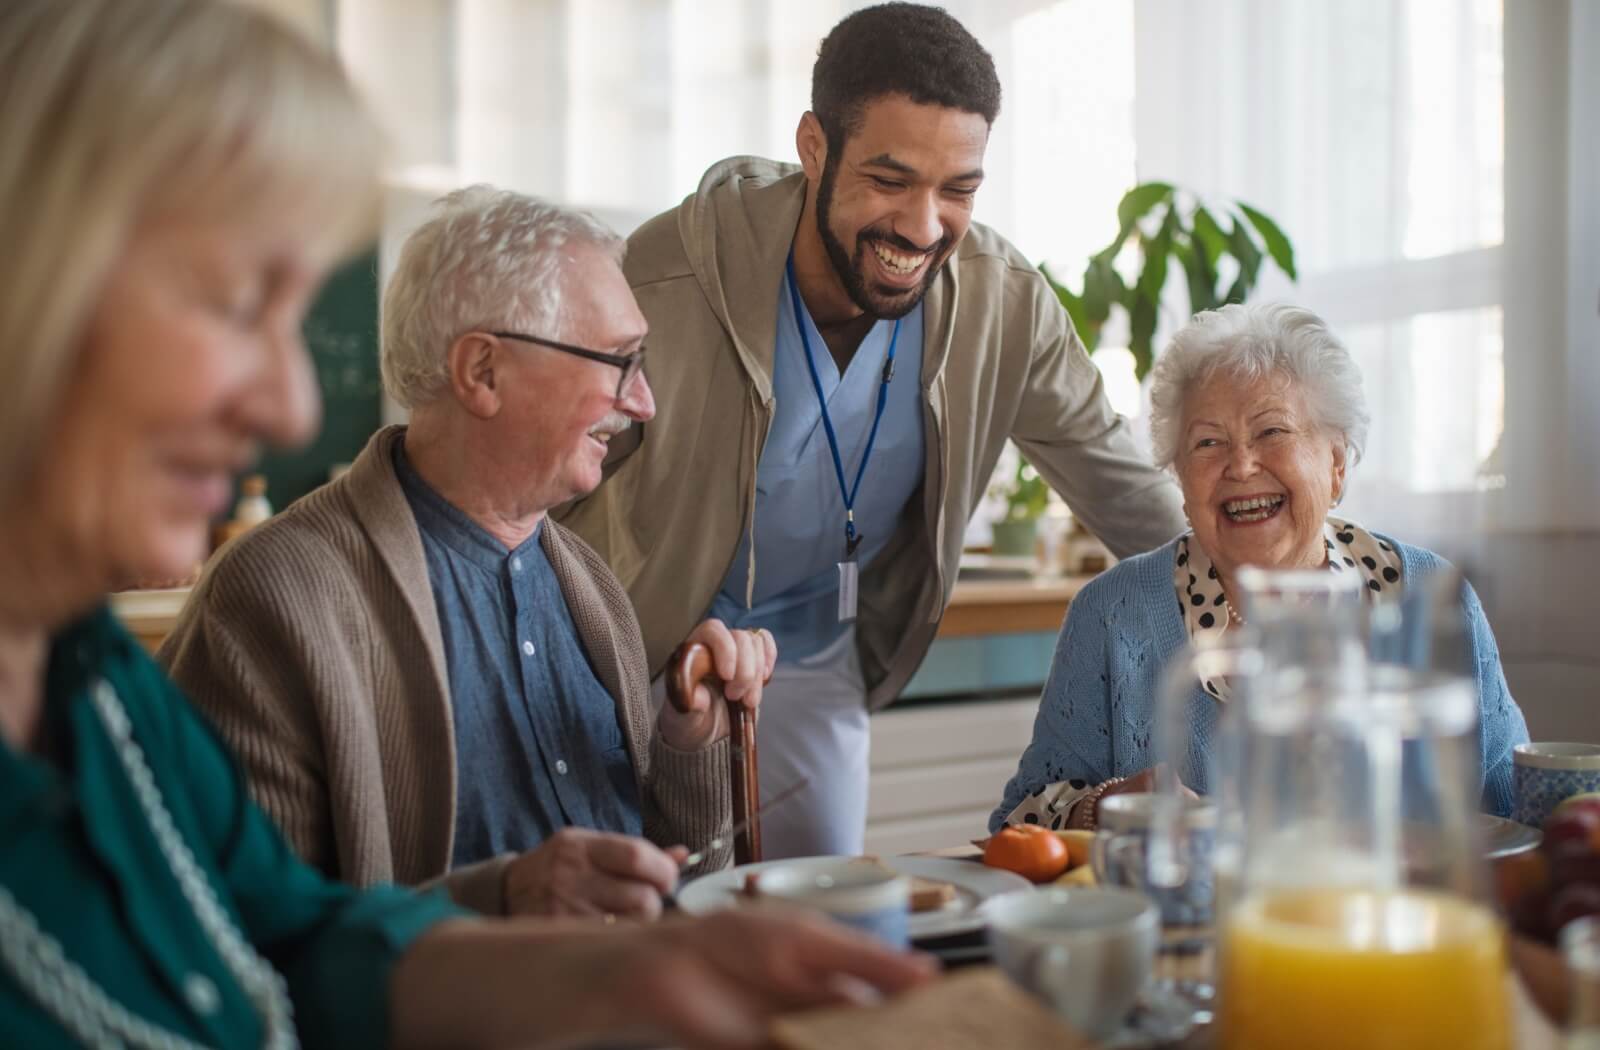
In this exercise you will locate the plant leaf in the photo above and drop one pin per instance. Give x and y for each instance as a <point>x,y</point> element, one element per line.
<point>1209,235</point>
<point>1102,286</point>
<point>1278,245</point>
<point>1244,249</point>
<point>1142,324</point>
<point>1073,303</point>
<point>1153,278</point>
<point>1137,202</point>
<point>1201,276</point>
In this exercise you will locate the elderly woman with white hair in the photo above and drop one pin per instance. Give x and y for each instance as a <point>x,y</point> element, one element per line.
<point>1259,412</point>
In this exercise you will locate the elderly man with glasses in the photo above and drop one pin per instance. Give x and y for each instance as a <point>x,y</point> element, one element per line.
<point>425,678</point>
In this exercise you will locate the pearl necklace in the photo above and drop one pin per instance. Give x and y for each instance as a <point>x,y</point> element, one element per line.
<point>40,966</point>
<point>1233,615</point>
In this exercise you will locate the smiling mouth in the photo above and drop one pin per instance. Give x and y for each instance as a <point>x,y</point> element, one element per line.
<point>1253,510</point>
<point>898,263</point>
<point>602,435</point>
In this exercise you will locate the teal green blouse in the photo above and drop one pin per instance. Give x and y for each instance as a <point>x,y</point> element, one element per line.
<point>77,852</point>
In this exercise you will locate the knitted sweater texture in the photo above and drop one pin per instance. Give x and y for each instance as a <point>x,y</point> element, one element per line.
<point>1098,714</point>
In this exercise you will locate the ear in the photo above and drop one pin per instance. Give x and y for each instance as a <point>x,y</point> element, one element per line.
<point>811,143</point>
<point>474,362</point>
<point>1340,461</point>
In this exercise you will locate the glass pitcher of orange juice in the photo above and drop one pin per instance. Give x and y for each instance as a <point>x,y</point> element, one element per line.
<point>1357,912</point>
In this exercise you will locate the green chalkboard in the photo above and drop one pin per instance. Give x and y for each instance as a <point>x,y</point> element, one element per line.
<point>341,332</point>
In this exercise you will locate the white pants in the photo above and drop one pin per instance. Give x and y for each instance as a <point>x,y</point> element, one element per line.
<point>814,724</point>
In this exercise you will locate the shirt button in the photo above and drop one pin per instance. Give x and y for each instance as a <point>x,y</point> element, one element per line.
<point>201,991</point>
<point>516,564</point>
<point>561,766</point>
<point>527,648</point>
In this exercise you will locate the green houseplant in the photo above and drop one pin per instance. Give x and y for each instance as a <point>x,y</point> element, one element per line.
<point>1026,495</point>
<point>1164,223</point>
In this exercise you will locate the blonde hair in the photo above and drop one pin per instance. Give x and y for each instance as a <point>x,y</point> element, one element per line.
<point>487,258</point>
<point>120,112</point>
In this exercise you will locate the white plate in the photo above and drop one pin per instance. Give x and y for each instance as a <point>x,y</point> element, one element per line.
<point>974,883</point>
<point>1505,838</point>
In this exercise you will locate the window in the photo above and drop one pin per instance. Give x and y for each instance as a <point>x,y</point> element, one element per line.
<point>1374,133</point>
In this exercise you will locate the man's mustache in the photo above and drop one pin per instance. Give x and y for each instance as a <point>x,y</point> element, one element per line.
<point>615,423</point>
<point>894,240</point>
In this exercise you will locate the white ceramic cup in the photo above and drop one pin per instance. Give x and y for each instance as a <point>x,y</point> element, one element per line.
<point>857,893</point>
<point>1086,951</point>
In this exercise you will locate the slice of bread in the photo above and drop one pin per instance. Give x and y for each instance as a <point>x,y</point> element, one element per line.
<point>930,894</point>
<point>975,1009</point>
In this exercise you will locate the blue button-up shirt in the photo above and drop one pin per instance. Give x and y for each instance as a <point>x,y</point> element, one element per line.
<point>538,744</point>
<point>799,520</point>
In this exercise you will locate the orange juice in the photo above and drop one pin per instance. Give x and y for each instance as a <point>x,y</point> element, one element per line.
<point>1337,969</point>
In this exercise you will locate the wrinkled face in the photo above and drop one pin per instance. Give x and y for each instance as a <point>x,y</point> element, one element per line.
<point>561,409</point>
<point>1258,474</point>
<point>893,204</point>
<point>192,359</point>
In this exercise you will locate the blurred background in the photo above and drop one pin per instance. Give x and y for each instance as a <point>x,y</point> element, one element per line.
<point>1434,163</point>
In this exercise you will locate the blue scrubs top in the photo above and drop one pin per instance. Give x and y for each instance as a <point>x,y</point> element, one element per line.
<point>799,518</point>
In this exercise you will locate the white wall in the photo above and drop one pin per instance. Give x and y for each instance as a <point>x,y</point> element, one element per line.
<point>1540,573</point>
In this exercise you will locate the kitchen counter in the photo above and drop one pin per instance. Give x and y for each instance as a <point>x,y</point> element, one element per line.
<point>978,608</point>
<point>150,615</point>
<point>984,606</point>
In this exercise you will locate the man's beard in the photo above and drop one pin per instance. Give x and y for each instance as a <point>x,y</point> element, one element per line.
<point>850,271</point>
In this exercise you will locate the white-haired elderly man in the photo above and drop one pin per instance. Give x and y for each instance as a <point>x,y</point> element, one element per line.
<point>1259,411</point>
<point>424,677</point>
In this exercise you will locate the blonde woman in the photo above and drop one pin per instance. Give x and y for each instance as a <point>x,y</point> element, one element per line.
<point>177,178</point>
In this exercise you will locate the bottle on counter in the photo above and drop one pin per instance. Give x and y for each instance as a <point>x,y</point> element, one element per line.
<point>251,510</point>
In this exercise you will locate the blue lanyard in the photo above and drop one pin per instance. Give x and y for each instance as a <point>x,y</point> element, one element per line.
<point>851,538</point>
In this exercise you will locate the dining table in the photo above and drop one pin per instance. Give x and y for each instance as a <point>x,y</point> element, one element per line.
<point>1180,961</point>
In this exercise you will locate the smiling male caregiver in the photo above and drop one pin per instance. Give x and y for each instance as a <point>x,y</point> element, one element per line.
<point>838,355</point>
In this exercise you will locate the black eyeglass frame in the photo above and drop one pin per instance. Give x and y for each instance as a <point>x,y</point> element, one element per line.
<point>631,364</point>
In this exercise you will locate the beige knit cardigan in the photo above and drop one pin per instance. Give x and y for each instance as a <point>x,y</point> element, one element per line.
<point>313,645</point>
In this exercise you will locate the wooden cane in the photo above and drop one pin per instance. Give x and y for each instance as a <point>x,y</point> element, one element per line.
<point>691,665</point>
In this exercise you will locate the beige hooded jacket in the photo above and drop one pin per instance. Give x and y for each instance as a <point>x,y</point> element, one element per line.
<point>999,360</point>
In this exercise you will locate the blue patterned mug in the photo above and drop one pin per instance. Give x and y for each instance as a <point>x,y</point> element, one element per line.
<point>1545,775</point>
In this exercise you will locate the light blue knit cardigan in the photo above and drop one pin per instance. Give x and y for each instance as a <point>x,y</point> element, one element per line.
<point>1098,712</point>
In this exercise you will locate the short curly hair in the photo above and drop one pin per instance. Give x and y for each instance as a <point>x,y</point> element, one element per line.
<point>1254,341</point>
<point>906,49</point>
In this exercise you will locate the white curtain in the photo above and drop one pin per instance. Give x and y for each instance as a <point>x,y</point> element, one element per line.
<point>1373,131</point>
<point>619,106</point>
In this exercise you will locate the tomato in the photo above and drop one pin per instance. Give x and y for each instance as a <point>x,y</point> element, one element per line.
<point>1029,850</point>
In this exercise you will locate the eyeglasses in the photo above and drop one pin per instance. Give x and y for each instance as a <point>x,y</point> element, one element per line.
<point>630,364</point>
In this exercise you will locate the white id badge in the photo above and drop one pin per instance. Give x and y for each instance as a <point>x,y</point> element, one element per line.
<point>847,591</point>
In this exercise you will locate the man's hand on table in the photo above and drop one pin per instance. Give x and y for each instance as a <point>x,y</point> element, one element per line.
<point>580,872</point>
<point>743,660</point>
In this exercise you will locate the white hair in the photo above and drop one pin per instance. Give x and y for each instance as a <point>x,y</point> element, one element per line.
<point>488,259</point>
<point>1249,342</point>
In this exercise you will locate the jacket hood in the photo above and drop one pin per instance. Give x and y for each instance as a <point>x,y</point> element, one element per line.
<point>736,232</point>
